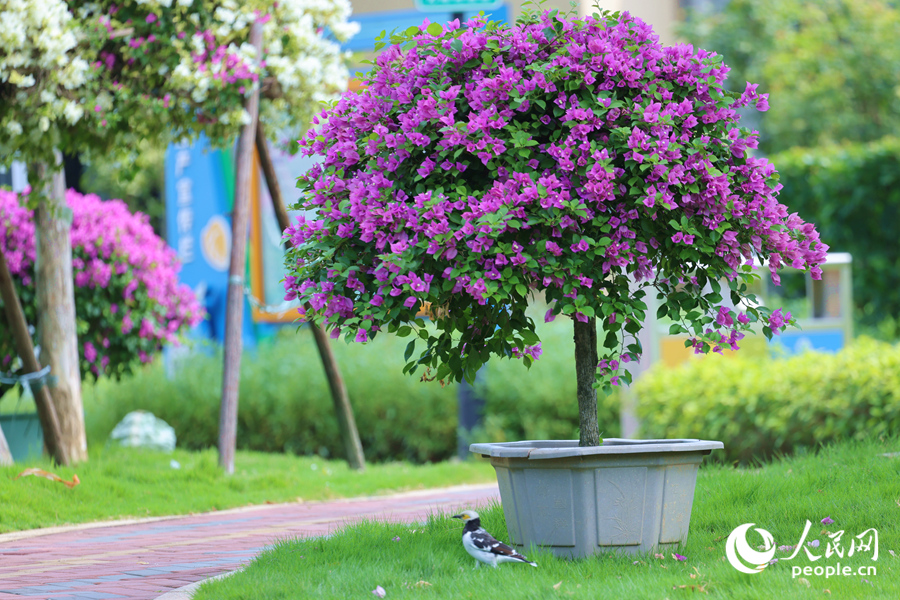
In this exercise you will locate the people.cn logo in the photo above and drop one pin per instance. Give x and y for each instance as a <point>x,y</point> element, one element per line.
<point>742,556</point>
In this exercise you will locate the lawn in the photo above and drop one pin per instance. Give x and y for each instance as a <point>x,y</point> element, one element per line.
<point>848,483</point>
<point>121,483</point>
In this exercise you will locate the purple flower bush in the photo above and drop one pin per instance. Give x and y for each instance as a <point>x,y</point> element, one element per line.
<point>579,160</point>
<point>127,296</point>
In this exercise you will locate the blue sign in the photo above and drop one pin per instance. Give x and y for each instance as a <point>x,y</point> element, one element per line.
<point>372,24</point>
<point>199,197</point>
<point>797,342</point>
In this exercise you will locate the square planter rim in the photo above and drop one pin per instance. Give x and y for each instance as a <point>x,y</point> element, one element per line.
<point>547,449</point>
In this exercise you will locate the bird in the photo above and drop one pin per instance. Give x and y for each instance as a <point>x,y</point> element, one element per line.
<point>484,547</point>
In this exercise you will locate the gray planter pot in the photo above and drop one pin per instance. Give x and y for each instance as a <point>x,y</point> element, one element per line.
<point>627,495</point>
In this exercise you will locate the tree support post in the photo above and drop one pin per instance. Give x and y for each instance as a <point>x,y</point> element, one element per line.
<point>57,330</point>
<point>342,407</point>
<point>25,349</point>
<point>234,299</point>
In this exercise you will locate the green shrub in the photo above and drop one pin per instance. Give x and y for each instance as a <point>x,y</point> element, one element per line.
<point>758,407</point>
<point>285,404</point>
<point>852,192</point>
<point>761,408</point>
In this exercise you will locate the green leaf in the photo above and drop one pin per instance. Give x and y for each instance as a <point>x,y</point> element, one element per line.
<point>442,372</point>
<point>529,337</point>
<point>404,331</point>
<point>435,29</point>
<point>410,348</point>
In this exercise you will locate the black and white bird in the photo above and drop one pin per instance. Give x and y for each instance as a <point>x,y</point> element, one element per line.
<point>483,546</point>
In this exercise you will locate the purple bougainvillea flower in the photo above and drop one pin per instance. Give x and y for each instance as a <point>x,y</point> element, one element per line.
<point>827,521</point>
<point>813,544</point>
<point>679,557</point>
<point>573,159</point>
<point>117,261</point>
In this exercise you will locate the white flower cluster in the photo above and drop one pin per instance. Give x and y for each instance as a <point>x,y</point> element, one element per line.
<point>40,72</point>
<point>185,64</point>
<point>310,66</point>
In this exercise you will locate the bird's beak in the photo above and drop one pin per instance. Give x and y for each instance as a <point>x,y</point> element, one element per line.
<point>456,517</point>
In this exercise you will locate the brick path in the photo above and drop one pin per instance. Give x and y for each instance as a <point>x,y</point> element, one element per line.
<point>152,557</point>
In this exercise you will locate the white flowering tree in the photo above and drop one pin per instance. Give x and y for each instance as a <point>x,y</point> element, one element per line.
<point>96,77</point>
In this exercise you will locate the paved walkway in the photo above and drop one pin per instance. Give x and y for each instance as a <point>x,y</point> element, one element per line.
<point>148,558</point>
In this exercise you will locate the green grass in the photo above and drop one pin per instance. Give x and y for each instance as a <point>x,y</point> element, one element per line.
<point>121,483</point>
<point>849,483</point>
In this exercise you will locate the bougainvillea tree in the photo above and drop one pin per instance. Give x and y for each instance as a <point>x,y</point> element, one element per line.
<point>94,78</point>
<point>577,159</point>
<point>127,295</point>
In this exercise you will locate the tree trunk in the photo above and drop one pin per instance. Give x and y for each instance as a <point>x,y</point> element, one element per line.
<point>234,299</point>
<point>585,371</point>
<point>56,312</point>
<point>342,407</point>
<point>25,349</point>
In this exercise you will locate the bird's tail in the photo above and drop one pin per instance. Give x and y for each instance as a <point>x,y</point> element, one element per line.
<point>524,560</point>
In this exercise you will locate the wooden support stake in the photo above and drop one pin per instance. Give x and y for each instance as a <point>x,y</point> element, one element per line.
<point>25,349</point>
<point>342,407</point>
<point>234,299</point>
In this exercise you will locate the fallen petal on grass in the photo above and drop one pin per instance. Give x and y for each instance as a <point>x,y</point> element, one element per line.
<point>813,544</point>
<point>693,588</point>
<point>379,591</point>
<point>556,586</point>
<point>679,557</point>
<point>827,521</point>
<point>51,476</point>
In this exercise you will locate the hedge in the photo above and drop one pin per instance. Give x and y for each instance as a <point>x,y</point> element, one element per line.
<point>852,193</point>
<point>769,407</point>
<point>759,408</point>
<point>285,405</point>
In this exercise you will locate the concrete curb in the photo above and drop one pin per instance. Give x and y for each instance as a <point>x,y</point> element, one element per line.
<point>187,592</point>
